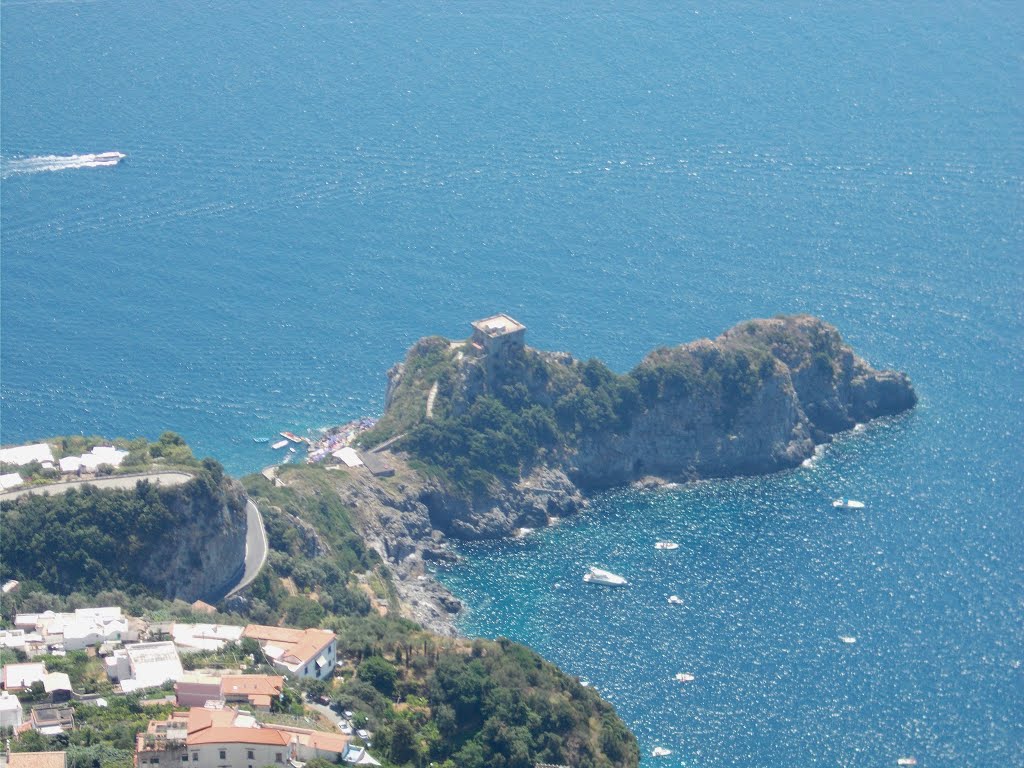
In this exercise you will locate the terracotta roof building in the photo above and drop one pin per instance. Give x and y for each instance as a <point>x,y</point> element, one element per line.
<point>298,652</point>
<point>219,738</point>
<point>36,760</point>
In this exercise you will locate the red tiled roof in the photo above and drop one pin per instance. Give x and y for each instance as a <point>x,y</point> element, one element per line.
<point>299,645</point>
<point>233,735</point>
<point>268,685</point>
<point>36,760</point>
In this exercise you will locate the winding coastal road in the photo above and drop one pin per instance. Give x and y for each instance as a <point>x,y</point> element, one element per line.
<point>255,547</point>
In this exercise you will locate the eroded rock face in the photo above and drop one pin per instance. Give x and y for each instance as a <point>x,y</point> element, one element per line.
<point>206,554</point>
<point>799,385</point>
<point>756,399</point>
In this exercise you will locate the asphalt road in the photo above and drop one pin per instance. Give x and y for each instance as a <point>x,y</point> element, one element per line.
<point>255,547</point>
<point>115,481</point>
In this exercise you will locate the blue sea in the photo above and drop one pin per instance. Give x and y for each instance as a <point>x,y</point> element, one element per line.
<point>311,186</point>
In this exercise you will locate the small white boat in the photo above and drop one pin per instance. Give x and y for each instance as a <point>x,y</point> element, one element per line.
<point>848,504</point>
<point>848,639</point>
<point>684,677</point>
<point>607,578</point>
<point>279,444</point>
<point>666,545</point>
<point>907,761</point>
<point>660,752</point>
<point>261,439</point>
<point>675,600</point>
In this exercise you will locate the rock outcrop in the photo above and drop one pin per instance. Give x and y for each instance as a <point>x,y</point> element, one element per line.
<point>757,399</point>
<point>204,555</point>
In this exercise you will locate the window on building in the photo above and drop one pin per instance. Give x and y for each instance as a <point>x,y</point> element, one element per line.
<point>223,754</point>
<point>184,758</point>
<point>250,754</point>
<point>195,757</point>
<point>278,758</point>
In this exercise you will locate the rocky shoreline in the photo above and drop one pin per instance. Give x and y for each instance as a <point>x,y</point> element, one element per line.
<point>760,398</point>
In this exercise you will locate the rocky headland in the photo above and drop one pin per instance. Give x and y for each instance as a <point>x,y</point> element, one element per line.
<point>488,435</point>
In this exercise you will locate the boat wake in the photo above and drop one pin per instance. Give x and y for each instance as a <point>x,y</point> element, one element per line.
<point>19,165</point>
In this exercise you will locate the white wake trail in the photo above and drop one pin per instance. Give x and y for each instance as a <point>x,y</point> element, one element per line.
<point>42,163</point>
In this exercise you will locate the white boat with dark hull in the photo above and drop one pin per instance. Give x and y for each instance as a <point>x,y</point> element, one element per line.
<point>607,578</point>
<point>848,504</point>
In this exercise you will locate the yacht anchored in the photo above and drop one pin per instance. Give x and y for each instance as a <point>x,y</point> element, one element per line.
<point>666,545</point>
<point>609,579</point>
<point>675,600</point>
<point>660,752</point>
<point>848,504</point>
<point>684,677</point>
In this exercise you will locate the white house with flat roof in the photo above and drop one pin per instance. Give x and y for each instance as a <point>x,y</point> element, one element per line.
<point>80,629</point>
<point>11,714</point>
<point>18,677</point>
<point>144,665</point>
<point>26,454</point>
<point>204,637</point>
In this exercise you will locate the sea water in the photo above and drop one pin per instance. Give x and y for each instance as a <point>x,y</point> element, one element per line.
<point>309,187</point>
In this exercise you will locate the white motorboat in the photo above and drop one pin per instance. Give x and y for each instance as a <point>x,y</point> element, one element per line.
<point>675,600</point>
<point>848,504</point>
<point>279,445</point>
<point>684,677</point>
<point>666,545</point>
<point>660,752</point>
<point>607,578</point>
<point>848,639</point>
<point>906,761</point>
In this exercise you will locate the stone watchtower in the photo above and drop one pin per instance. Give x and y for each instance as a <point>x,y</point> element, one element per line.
<point>498,339</point>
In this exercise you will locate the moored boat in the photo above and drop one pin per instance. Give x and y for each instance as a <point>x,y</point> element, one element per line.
<point>666,545</point>
<point>848,504</point>
<point>660,752</point>
<point>675,600</point>
<point>279,444</point>
<point>684,677</point>
<point>607,578</point>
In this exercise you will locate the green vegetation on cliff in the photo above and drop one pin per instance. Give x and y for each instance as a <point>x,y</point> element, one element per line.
<point>541,406</point>
<point>787,379</point>
<point>89,539</point>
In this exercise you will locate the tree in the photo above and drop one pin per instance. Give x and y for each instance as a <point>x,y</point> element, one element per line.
<point>379,673</point>
<point>403,741</point>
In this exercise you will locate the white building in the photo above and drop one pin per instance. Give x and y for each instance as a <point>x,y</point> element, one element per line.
<point>81,629</point>
<point>204,637</point>
<point>144,665</point>
<point>10,480</point>
<point>26,454</point>
<point>11,715</point>
<point>18,677</point>
<point>297,652</point>
<point>70,465</point>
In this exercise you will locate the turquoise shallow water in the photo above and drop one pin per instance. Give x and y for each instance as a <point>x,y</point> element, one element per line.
<point>310,187</point>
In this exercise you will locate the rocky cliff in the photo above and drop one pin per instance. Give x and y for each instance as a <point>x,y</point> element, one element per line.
<point>204,555</point>
<point>510,445</point>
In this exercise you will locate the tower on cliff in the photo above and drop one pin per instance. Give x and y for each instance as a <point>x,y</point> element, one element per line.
<point>498,339</point>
